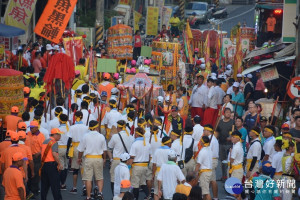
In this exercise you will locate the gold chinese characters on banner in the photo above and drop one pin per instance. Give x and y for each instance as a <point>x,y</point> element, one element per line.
<point>18,13</point>
<point>54,19</point>
<point>152,20</point>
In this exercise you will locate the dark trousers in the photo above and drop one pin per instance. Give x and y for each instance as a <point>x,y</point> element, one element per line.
<point>33,183</point>
<point>136,52</point>
<point>63,176</point>
<point>50,178</point>
<point>174,31</point>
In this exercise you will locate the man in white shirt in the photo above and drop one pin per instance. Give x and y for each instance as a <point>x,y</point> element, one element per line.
<point>140,155</point>
<point>177,143</point>
<point>85,112</point>
<point>198,98</point>
<point>277,160</point>
<point>254,153</point>
<point>227,104</point>
<point>59,103</point>
<point>120,143</point>
<point>168,176</point>
<point>214,145</point>
<point>54,123</point>
<point>204,167</point>
<point>121,172</point>
<point>220,91</point>
<point>236,156</point>
<point>93,148</point>
<point>268,147</point>
<point>111,118</point>
<point>62,149</point>
<point>211,112</point>
<point>198,129</point>
<point>75,135</point>
<point>159,158</point>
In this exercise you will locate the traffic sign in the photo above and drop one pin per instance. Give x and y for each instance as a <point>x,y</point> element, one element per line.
<point>293,88</point>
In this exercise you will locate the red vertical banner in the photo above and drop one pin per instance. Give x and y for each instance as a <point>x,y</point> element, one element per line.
<point>55,19</point>
<point>74,47</point>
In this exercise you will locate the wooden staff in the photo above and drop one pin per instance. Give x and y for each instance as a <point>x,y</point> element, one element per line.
<point>149,99</point>
<point>273,111</point>
<point>46,109</point>
<point>87,120</point>
<point>257,117</point>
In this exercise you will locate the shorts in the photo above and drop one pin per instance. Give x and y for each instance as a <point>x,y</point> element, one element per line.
<point>93,167</point>
<point>149,172</point>
<point>188,167</point>
<point>155,185</point>
<point>74,164</point>
<point>63,157</point>
<point>138,176</point>
<point>113,166</point>
<point>238,173</point>
<point>205,178</point>
<point>214,167</point>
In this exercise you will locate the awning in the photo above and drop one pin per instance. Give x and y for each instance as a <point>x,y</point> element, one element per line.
<point>272,60</point>
<point>253,69</point>
<point>287,51</point>
<point>263,51</point>
<point>10,31</point>
<point>269,6</point>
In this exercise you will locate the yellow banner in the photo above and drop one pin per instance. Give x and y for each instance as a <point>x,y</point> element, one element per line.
<point>137,18</point>
<point>152,20</point>
<point>18,13</point>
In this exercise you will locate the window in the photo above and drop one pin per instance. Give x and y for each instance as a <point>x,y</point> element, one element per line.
<point>196,6</point>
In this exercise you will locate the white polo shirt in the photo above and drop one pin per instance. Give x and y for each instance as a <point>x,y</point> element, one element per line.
<point>140,152</point>
<point>54,123</point>
<point>155,145</point>
<point>237,153</point>
<point>205,158</point>
<point>177,147</point>
<point>254,150</point>
<point>111,118</point>
<point>121,173</point>
<point>64,111</point>
<point>269,147</point>
<point>214,145</point>
<point>187,142</point>
<point>45,132</point>
<point>85,114</point>
<point>277,161</point>
<point>64,137</point>
<point>160,156</point>
<point>213,98</point>
<point>197,132</point>
<point>77,131</point>
<point>116,144</point>
<point>169,174</point>
<point>92,143</point>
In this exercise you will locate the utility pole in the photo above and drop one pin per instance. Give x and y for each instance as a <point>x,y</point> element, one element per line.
<point>297,72</point>
<point>99,24</point>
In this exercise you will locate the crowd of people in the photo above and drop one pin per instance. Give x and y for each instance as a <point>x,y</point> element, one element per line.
<point>171,151</point>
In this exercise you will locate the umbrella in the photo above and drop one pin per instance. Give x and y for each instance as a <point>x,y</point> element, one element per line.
<point>10,31</point>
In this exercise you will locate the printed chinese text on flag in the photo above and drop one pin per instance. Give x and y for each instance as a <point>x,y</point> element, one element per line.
<point>54,19</point>
<point>18,13</point>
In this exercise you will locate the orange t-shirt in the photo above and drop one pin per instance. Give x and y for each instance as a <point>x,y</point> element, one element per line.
<point>54,148</point>
<point>271,22</point>
<point>11,122</point>
<point>28,141</point>
<point>12,180</point>
<point>7,154</point>
<point>36,142</point>
<point>28,151</point>
<point>4,145</point>
<point>106,86</point>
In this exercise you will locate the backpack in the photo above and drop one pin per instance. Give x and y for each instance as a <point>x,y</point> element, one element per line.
<point>189,152</point>
<point>262,154</point>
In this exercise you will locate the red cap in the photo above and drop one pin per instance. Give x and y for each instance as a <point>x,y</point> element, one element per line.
<point>285,126</point>
<point>198,62</point>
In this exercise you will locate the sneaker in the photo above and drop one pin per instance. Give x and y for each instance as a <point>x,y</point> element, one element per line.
<point>73,191</point>
<point>99,196</point>
<point>96,192</point>
<point>63,187</point>
<point>84,191</point>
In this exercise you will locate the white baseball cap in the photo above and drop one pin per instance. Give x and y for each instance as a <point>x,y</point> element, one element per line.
<point>49,47</point>
<point>172,153</point>
<point>160,99</point>
<point>132,99</point>
<point>249,76</point>
<point>239,76</point>
<point>202,66</point>
<point>202,60</point>
<point>56,48</point>
<point>124,157</point>
<point>114,91</point>
<point>229,67</point>
<point>236,84</point>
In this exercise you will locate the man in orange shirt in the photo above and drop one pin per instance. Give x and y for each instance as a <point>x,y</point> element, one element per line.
<point>13,179</point>
<point>37,138</point>
<point>271,22</point>
<point>8,153</point>
<point>51,166</point>
<point>12,120</point>
<point>22,139</point>
<point>23,127</point>
<point>106,85</point>
<point>26,91</point>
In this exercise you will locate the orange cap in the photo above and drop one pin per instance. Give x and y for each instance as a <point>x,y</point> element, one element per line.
<point>14,109</point>
<point>34,124</point>
<point>19,156</point>
<point>22,134</point>
<point>56,131</point>
<point>8,132</point>
<point>22,125</point>
<point>14,136</point>
<point>26,90</point>
<point>285,126</point>
<point>125,184</point>
<point>106,75</point>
